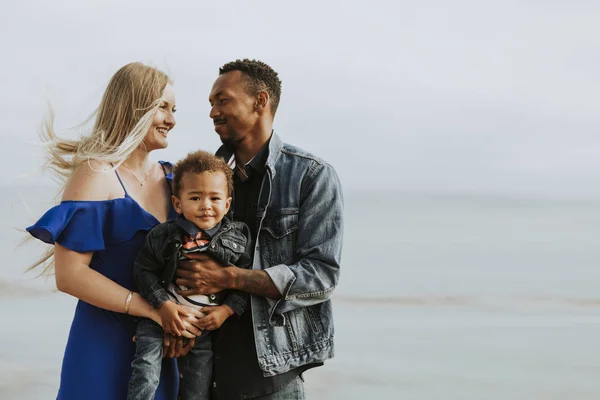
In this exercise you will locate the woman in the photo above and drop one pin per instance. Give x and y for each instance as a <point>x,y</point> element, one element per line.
<point>112,197</point>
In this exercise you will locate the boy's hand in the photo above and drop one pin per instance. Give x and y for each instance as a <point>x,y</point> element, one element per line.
<point>215,316</point>
<point>170,315</point>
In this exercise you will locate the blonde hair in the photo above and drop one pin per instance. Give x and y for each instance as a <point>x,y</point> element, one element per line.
<point>123,119</point>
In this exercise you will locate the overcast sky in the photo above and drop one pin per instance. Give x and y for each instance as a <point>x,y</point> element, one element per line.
<point>494,97</point>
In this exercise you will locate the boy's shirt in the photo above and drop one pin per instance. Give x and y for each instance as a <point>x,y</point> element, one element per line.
<point>194,240</point>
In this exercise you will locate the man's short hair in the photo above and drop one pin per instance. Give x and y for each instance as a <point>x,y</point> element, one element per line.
<point>198,162</point>
<point>258,76</point>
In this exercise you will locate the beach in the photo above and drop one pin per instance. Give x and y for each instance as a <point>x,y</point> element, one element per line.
<point>440,297</point>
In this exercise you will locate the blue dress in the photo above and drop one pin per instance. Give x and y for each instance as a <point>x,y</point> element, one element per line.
<point>97,360</point>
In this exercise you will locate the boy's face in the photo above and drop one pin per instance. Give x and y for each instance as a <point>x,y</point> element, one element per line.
<point>203,198</point>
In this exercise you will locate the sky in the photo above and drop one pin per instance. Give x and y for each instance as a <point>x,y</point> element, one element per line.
<point>476,97</point>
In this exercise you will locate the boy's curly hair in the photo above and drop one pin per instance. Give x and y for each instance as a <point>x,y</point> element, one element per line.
<point>258,76</point>
<point>198,162</point>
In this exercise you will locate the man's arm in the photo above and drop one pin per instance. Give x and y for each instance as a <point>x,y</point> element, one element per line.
<point>254,282</point>
<point>205,276</point>
<point>314,275</point>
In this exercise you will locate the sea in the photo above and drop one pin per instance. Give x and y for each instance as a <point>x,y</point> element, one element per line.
<point>441,296</point>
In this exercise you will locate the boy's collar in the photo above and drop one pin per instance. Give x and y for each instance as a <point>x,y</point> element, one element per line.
<point>192,230</point>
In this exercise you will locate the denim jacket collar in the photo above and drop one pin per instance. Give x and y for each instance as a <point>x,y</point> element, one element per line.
<point>275,146</point>
<point>258,162</point>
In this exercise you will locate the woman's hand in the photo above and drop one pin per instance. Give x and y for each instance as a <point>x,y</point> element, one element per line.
<point>172,315</point>
<point>191,322</point>
<point>173,346</point>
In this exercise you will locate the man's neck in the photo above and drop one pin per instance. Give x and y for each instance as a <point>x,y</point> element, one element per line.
<point>251,146</point>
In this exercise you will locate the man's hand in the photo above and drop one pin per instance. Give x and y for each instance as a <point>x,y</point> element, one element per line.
<point>202,274</point>
<point>215,316</point>
<point>173,346</point>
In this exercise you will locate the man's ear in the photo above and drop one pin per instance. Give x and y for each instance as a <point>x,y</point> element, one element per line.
<point>262,101</point>
<point>176,204</point>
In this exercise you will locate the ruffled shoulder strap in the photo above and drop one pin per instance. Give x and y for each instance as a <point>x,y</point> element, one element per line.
<point>85,226</point>
<point>167,168</point>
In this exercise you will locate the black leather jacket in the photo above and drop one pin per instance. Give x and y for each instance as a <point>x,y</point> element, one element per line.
<point>158,259</point>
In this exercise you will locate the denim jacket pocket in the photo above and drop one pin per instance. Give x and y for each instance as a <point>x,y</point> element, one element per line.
<point>303,327</point>
<point>229,250</point>
<point>233,245</point>
<point>279,234</point>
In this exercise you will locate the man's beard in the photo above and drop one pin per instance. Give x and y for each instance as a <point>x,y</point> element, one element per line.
<point>232,143</point>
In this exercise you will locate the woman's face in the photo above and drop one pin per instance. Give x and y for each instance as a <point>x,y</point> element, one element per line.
<point>164,121</point>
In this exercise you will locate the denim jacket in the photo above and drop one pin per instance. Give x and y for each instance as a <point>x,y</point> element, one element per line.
<point>156,263</point>
<point>299,244</point>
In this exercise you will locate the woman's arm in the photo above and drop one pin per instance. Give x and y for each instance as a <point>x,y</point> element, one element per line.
<point>72,272</point>
<point>75,277</point>
<point>94,181</point>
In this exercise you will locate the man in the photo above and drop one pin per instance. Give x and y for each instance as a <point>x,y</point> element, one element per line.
<point>292,203</point>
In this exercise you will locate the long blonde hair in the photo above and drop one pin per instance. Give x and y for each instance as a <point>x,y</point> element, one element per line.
<point>123,119</point>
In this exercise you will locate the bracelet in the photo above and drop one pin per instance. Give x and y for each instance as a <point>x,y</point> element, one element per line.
<point>128,302</point>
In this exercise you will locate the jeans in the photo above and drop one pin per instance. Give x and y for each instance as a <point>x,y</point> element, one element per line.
<point>292,391</point>
<point>196,366</point>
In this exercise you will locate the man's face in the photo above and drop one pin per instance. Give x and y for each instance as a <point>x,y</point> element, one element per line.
<point>233,109</point>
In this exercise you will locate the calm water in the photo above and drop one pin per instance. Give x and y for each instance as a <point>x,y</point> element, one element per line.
<point>440,298</point>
